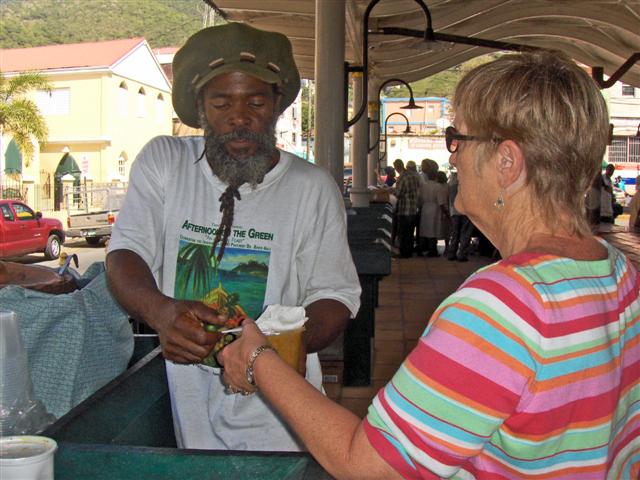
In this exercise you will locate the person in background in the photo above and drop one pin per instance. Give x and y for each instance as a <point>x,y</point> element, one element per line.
<point>461,226</point>
<point>634,209</point>
<point>445,214</point>
<point>398,166</point>
<point>432,206</point>
<point>390,181</point>
<point>428,169</point>
<point>407,192</point>
<point>606,196</point>
<point>592,202</point>
<point>217,227</point>
<point>530,369</point>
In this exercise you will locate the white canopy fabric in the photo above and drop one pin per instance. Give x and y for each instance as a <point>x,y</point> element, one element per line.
<point>597,33</point>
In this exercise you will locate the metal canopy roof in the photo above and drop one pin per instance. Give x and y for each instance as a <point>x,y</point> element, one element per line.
<point>597,33</point>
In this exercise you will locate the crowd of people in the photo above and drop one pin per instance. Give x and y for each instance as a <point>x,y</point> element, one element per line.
<point>425,212</point>
<point>429,197</point>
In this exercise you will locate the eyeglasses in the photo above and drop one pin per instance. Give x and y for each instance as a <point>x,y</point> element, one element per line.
<point>452,137</point>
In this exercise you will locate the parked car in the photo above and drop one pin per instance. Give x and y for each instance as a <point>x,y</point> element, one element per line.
<point>23,231</point>
<point>347,182</point>
<point>94,220</point>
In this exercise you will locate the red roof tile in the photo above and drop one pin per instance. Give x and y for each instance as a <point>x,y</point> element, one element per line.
<point>74,55</point>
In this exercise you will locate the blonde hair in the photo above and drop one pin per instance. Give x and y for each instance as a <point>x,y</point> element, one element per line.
<point>554,111</point>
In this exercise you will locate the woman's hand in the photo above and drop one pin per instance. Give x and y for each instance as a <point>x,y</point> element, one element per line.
<point>235,357</point>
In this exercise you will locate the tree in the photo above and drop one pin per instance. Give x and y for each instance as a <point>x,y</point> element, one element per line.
<point>19,115</point>
<point>441,84</point>
<point>307,110</point>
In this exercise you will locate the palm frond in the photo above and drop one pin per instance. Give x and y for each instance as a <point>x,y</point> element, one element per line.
<point>20,116</point>
<point>19,85</point>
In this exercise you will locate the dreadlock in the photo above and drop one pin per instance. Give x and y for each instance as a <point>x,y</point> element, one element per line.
<point>227,202</point>
<point>234,171</point>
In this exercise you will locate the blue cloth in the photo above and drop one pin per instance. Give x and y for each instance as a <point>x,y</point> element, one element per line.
<point>75,342</point>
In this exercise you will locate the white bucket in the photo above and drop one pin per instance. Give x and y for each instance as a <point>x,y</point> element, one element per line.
<point>27,457</point>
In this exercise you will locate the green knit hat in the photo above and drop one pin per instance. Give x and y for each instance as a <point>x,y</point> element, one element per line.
<point>233,47</point>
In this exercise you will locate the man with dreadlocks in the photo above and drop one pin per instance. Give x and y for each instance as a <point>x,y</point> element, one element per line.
<point>227,224</point>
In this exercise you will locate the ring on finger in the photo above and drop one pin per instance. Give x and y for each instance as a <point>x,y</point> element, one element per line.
<point>246,393</point>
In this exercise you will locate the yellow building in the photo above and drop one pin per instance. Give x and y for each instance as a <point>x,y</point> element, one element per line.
<point>107,100</point>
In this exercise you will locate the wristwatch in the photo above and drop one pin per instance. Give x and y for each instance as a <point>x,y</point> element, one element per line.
<point>252,359</point>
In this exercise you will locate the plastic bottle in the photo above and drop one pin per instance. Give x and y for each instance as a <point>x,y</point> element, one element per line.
<point>20,412</point>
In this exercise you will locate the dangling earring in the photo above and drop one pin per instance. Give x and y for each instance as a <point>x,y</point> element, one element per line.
<point>500,201</point>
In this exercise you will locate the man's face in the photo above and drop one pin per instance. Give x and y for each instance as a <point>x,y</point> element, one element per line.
<point>238,116</point>
<point>236,101</point>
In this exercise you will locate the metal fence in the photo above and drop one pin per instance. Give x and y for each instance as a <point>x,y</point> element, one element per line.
<point>82,198</point>
<point>94,197</point>
<point>42,199</point>
<point>11,189</point>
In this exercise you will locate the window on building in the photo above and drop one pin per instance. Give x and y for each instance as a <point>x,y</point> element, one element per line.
<point>141,103</point>
<point>123,100</point>
<point>628,90</point>
<point>159,107</point>
<point>293,137</point>
<point>624,149</point>
<point>122,165</point>
<point>54,103</point>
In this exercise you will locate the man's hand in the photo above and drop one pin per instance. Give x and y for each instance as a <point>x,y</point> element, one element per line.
<point>180,328</point>
<point>179,323</point>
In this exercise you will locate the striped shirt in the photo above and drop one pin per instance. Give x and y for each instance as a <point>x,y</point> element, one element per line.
<point>530,370</point>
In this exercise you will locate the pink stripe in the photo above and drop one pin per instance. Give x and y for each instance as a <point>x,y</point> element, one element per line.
<point>630,355</point>
<point>577,391</point>
<point>474,359</point>
<point>486,464</point>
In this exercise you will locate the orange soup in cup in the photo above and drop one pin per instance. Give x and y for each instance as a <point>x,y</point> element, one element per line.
<point>288,345</point>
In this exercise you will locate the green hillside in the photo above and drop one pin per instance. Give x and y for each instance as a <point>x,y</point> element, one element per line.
<point>27,23</point>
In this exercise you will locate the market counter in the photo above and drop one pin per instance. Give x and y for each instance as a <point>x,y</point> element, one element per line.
<point>77,461</point>
<point>125,430</point>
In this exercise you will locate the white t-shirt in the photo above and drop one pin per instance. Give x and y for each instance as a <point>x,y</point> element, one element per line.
<point>432,196</point>
<point>288,246</point>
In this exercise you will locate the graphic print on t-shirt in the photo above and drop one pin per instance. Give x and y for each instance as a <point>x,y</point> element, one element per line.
<point>236,286</point>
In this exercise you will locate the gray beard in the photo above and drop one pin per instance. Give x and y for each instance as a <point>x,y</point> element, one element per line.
<point>236,171</point>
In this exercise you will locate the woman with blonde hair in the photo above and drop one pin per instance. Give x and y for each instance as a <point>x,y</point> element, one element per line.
<point>531,368</point>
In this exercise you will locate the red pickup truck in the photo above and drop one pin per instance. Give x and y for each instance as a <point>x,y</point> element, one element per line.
<point>24,231</point>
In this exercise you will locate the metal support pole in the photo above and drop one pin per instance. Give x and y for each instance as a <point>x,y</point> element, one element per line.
<point>359,149</point>
<point>329,73</point>
<point>374,131</point>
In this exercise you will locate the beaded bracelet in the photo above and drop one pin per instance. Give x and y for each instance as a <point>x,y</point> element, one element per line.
<point>252,358</point>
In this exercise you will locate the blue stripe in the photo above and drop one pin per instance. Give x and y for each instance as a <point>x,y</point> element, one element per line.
<point>600,285</point>
<point>483,329</point>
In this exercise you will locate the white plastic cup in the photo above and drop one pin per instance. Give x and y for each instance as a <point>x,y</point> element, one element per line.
<point>15,383</point>
<point>27,457</point>
<point>10,340</point>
